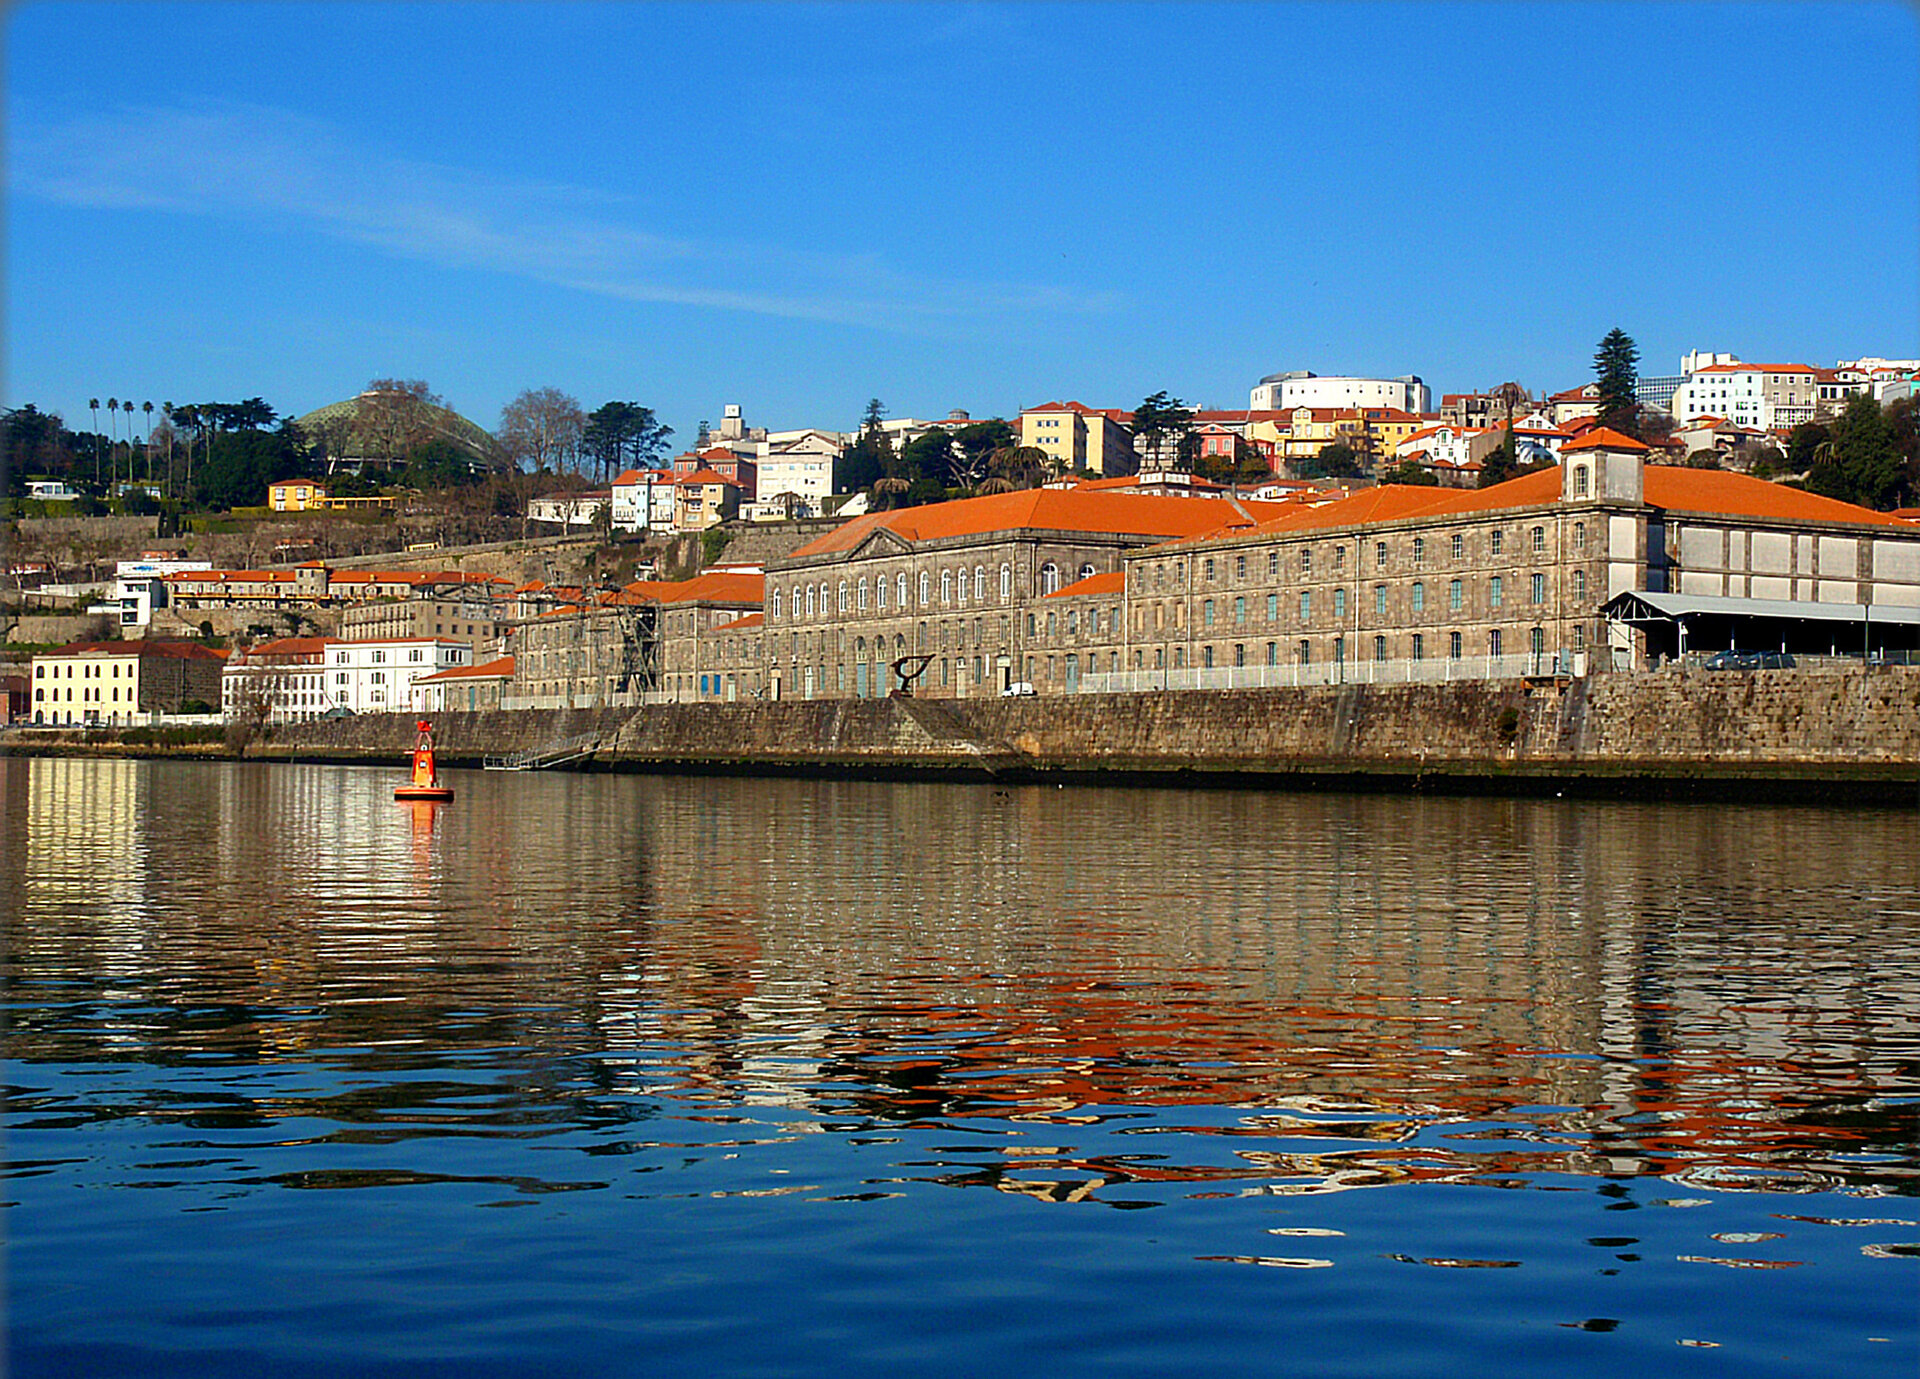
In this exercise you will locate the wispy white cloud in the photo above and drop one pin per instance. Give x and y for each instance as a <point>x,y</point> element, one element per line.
<point>274,166</point>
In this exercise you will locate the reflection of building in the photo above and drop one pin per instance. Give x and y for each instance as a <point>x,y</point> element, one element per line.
<point>122,684</point>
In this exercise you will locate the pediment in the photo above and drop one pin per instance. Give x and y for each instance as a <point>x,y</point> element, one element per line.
<point>881,542</point>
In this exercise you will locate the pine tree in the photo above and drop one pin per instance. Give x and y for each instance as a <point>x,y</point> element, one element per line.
<point>1616,370</point>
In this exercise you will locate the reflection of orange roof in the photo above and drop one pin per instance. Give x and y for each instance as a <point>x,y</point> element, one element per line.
<point>1041,509</point>
<point>741,624</point>
<point>485,670</point>
<point>712,587</point>
<point>1112,583</point>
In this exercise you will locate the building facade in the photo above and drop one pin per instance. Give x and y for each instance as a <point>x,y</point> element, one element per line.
<point>1075,436</point>
<point>281,681</point>
<point>378,676</point>
<point>948,587</point>
<point>123,684</point>
<point>1282,392</point>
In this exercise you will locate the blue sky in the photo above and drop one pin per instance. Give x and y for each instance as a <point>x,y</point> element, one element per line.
<point>798,207</point>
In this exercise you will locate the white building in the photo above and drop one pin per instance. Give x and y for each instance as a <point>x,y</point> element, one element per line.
<point>1765,396</point>
<point>801,466</point>
<point>378,676</point>
<point>139,587</point>
<point>568,509</point>
<point>643,500</point>
<point>1282,392</point>
<point>281,681</point>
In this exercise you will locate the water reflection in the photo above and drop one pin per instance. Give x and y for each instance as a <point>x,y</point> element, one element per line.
<point>1346,992</point>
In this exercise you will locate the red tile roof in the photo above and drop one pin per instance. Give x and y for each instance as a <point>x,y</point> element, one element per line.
<point>1041,509</point>
<point>1111,583</point>
<point>484,670</point>
<point>706,476</point>
<point>715,586</point>
<point>1603,438</point>
<point>741,624</point>
<point>179,651</point>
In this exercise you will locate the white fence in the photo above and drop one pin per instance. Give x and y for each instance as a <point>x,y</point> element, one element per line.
<point>1402,672</point>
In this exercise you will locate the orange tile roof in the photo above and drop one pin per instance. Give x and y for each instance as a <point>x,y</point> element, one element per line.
<point>1671,487</point>
<point>740,624</point>
<point>706,476</point>
<point>484,670</point>
<point>1112,583</point>
<point>1754,368</point>
<point>711,587</point>
<point>289,646</point>
<point>179,651</point>
<point>1040,509</point>
<point>1603,438</point>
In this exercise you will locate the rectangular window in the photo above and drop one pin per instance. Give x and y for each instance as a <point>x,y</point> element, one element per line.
<point>1380,555</point>
<point>1495,595</point>
<point>1306,605</point>
<point>1339,603</point>
<point>1419,647</point>
<point>1273,607</point>
<point>1459,546</point>
<point>1380,600</point>
<point>1495,541</point>
<point>1273,564</point>
<point>1455,596</point>
<point>1539,588</point>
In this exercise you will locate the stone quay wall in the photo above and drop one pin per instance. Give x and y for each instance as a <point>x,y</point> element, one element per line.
<point>1836,731</point>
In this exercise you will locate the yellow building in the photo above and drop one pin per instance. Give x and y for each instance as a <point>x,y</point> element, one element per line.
<point>122,684</point>
<point>1075,436</point>
<point>296,495</point>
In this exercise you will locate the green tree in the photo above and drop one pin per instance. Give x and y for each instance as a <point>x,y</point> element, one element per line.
<point>1616,366</point>
<point>1335,461</point>
<point>1407,472</point>
<point>1804,442</point>
<point>1861,462</point>
<point>1159,418</point>
<point>929,457</point>
<point>976,445</point>
<point>870,458</point>
<point>240,465</point>
<point>618,436</point>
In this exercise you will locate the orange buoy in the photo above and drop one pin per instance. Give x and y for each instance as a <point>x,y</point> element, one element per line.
<point>425,784</point>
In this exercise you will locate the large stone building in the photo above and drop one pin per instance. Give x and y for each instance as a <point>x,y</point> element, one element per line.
<point>954,583</point>
<point>1391,583</point>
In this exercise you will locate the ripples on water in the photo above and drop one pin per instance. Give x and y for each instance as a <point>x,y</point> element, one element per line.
<point>592,1075</point>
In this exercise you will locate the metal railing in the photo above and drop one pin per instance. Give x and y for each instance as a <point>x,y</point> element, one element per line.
<point>1439,670</point>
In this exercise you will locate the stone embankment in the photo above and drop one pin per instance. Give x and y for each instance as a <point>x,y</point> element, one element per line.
<point>1832,733</point>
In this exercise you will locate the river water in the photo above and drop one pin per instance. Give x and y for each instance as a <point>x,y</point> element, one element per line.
<point>619,1075</point>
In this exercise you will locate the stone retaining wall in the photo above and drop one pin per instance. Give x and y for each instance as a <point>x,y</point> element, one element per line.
<point>1670,730</point>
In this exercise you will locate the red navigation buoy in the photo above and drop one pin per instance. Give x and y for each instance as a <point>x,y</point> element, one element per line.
<point>425,784</point>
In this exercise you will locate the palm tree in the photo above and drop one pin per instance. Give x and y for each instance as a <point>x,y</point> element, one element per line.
<point>147,407</point>
<point>166,410</point>
<point>113,439</point>
<point>127,407</point>
<point>93,405</point>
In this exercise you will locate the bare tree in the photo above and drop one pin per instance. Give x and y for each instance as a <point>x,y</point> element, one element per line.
<point>394,416</point>
<point>541,428</point>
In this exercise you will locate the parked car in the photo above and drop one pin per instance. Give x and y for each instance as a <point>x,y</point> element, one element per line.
<point>1750,660</point>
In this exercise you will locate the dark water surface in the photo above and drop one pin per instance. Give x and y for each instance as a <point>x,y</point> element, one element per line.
<point>619,1075</point>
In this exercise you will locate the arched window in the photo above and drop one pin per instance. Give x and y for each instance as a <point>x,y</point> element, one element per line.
<point>926,588</point>
<point>1419,597</point>
<point>979,584</point>
<point>1579,536</point>
<point>775,610</point>
<point>1086,572</point>
<point>1006,583</point>
<point>860,593</point>
<point>1579,584</point>
<point>946,587</point>
<point>796,594</point>
<point>823,598</point>
<point>880,593</point>
<point>900,588</point>
<point>842,605</point>
<point>1049,578</point>
<point>1539,540</point>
